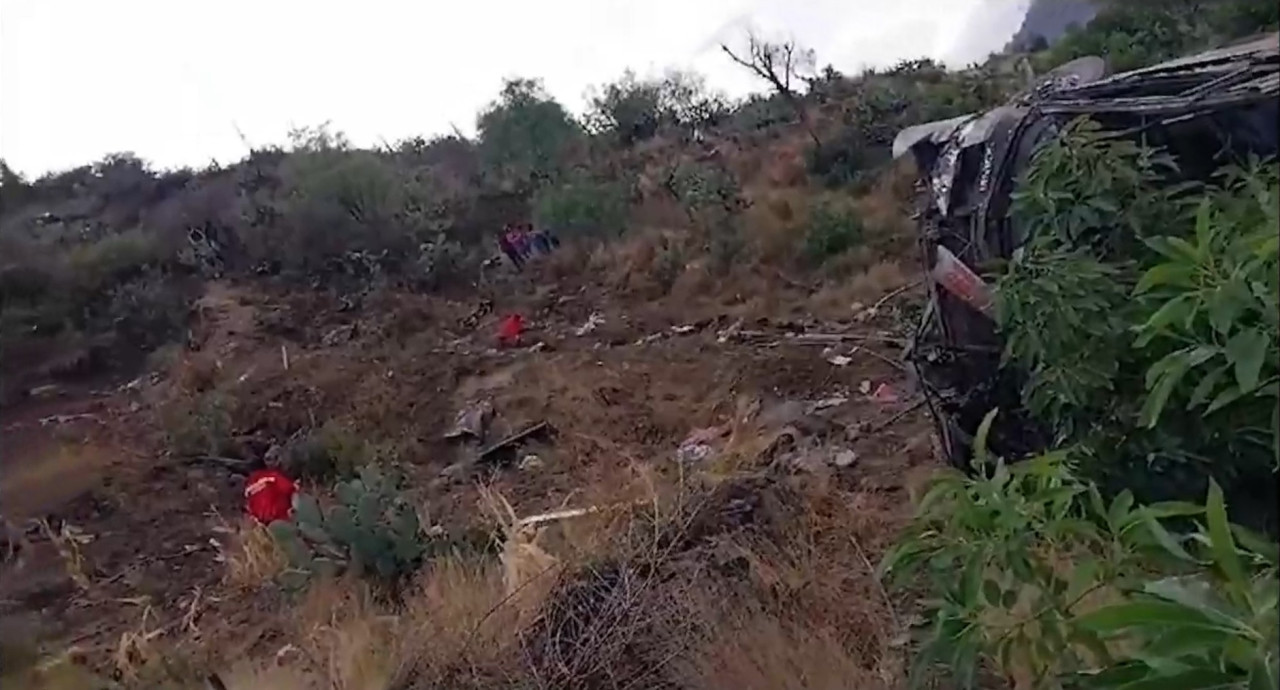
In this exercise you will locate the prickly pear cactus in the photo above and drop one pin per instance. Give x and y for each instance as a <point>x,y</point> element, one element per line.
<point>371,530</point>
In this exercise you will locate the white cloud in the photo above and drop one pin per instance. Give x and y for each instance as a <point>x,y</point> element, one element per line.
<point>172,80</point>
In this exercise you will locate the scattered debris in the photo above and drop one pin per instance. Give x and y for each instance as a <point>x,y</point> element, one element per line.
<point>884,393</point>
<point>339,335</point>
<point>530,462</point>
<point>960,280</point>
<point>874,310</point>
<point>865,387</point>
<point>844,458</point>
<point>827,403</point>
<point>471,421</point>
<point>692,453</point>
<point>66,418</point>
<point>810,460</point>
<point>537,429</point>
<point>593,322</point>
<point>895,418</point>
<point>698,445</point>
<point>840,360</point>
<point>729,333</point>
<point>683,330</point>
<point>45,392</point>
<point>456,472</point>
<point>510,329</point>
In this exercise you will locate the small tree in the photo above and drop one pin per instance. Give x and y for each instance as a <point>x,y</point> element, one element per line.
<point>779,64</point>
<point>634,110</point>
<point>524,134</point>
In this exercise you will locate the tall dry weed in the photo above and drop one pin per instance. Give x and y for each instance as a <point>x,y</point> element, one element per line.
<point>251,556</point>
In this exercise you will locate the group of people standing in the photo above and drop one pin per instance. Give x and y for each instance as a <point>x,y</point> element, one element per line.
<point>519,242</point>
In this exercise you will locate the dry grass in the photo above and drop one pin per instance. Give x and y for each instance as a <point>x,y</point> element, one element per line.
<point>886,208</point>
<point>760,651</point>
<point>845,299</point>
<point>251,556</point>
<point>68,541</point>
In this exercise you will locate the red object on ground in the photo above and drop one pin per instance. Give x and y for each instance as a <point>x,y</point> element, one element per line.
<point>510,329</point>
<point>884,393</point>
<point>268,496</point>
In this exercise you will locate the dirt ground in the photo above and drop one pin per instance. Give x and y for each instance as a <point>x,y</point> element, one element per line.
<point>125,535</point>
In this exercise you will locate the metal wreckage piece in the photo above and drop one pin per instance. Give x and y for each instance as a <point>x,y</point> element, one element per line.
<point>1204,108</point>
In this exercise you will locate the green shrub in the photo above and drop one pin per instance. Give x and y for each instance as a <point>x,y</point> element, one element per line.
<point>582,208</point>
<point>1030,573</point>
<point>524,136</point>
<point>632,110</point>
<point>762,112</point>
<point>372,530</point>
<point>1132,35</point>
<point>830,231</point>
<point>330,452</point>
<point>201,425</point>
<point>706,191</point>
<point>1145,315</point>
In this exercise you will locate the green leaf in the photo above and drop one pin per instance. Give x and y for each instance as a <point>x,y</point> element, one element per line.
<point>1258,544</point>
<point>1182,642</point>
<point>293,580</point>
<point>1206,386</point>
<point>991,592</point>
<point>1166,540</point>
<point>1114,675</point>
<point>1263,674</point>
<point>980,438</point>
<point>1191,679</point>
<point>1168,509</point>
<point>1187,250</point>
<point>1179,274</point>
<point>1119,509</point>
<point>1246,351</point>
<point>1222,544</point>
<point>348,493</point>
<point>1204,225</point>
<point>1175,309</point>
<point>1140,614</point>
<point>1226,303</point>
<point>1159,397</point>
<point>1174,248</point>
<point>1196,593</point>
<point>1229,395</point>
<point>307,510</point>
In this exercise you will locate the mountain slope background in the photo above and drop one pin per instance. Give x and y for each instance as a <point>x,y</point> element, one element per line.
<point>713,350</point>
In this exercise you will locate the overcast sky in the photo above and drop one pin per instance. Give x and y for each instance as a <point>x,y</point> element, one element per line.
<point>172,80</point>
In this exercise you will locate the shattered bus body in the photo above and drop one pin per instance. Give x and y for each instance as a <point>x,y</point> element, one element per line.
<point>1205,110</point>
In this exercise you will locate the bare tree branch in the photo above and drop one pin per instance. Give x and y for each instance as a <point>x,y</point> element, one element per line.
<point>777,64</point>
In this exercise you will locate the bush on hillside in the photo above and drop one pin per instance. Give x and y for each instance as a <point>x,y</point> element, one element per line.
<point>1032,575</point>
<point>582,207</point>
<point>524,136</point>
<point>632,110</point>
<point>1132,35</point>
<point>830,232</point>
<point>1146,317</point>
